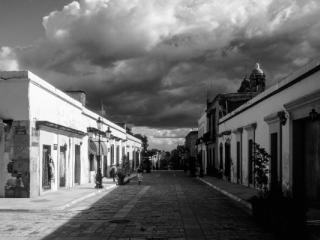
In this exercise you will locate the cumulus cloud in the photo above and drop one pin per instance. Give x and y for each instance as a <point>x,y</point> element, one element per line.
<point>153,62</point>
<point>165,139</point>
<point>8,60</point>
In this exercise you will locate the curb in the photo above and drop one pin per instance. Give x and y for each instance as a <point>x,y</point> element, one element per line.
<point>69,204</point>
<point>60,208</point>
<point>230,195</point>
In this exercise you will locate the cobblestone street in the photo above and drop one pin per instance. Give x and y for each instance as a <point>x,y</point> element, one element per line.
<point>167,205</point>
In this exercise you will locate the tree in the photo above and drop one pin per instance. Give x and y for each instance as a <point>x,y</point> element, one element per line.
<point>261,167</point>
<point>144,140</point>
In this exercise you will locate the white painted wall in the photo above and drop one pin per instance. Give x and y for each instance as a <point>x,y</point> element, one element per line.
<point>258,112</point>
<point>25,96</point>
<point>14,103</point>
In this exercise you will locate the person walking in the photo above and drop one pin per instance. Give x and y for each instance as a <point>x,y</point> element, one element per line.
<point>113,172</point>
<point>140,171</point>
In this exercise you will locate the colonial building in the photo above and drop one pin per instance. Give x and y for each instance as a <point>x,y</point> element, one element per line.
<point>49,139</point>
<point>221,105</point>
<point>284,120</point>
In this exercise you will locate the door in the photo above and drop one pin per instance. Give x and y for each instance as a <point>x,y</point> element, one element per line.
<point>221,156</point>
<point>118,155</point>
<point>238,163</point>
<point>312,162</point>
<point>46,181</point>
<point>227,163</point>
<point>62,167</point>
<point>77,164</point>
<point>274,161</point>
<point>250,163</point>
<point>105,166</point>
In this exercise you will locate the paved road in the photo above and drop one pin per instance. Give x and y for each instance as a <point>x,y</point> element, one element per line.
<point>168,205</point>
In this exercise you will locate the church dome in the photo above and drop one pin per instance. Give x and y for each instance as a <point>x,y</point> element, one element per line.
<point>257,70</point>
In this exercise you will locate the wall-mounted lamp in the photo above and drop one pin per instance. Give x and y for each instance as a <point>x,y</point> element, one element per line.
<point>282,117</point>
<point>108,133</point>
<point>313,115</point>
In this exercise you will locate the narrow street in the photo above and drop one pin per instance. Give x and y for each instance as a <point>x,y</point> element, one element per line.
<point>168,205</point>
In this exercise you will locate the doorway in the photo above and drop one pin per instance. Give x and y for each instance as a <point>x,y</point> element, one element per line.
<point>274,161</point>
<point>306,164</point>
<point>77,164</point>
<point>250,163</point>
<point>227,163</point>
<point>46,181</point>
<point>239,164</point>
<point>105,166</point>
<point>62,167</point>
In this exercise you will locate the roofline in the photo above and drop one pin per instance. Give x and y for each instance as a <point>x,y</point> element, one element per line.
<point>36,80</point>
<point>290,80</point>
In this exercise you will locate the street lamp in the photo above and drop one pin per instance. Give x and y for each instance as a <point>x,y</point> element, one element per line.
<point>108,135</point>
<point>99,174</point>
<point>92,133</point>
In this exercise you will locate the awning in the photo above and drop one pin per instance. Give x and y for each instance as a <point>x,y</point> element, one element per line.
<point>94,148</point>
<point>104,149</point>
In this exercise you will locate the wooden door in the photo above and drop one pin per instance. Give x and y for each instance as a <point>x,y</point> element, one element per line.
<point>105,166</point>
<point>312,162</point>
<point>250,163</point>
<point>227,162</point>
<point>46,181</point>
<point>62,167</point>
<point>274,161</point>
<point>77,164</point>
<point>238,163</point>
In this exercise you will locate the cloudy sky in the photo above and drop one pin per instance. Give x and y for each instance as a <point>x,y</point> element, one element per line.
<point>153,62</point>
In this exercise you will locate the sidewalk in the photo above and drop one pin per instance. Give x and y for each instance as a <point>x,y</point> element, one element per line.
<point>58,200</point>
<point>237,192</point>
<point>242,194</point>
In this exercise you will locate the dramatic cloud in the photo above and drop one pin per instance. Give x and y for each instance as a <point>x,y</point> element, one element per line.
<point>8,60</point>
<point>165,139</point>
<point>153,63</point>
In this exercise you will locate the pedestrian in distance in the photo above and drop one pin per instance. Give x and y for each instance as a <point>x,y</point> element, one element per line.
<point>113,173</point>
<point>140,171</point>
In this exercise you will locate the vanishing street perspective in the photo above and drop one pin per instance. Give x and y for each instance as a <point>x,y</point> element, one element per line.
<point>159,119</point>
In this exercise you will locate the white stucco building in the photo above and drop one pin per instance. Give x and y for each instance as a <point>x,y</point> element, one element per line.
<point>49,139</point>
<point>284,120</point>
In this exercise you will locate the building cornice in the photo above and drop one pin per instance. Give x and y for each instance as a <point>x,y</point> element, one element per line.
<point>292,79</point>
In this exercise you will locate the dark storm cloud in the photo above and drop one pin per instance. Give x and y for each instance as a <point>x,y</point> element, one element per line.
<point>153,63</point>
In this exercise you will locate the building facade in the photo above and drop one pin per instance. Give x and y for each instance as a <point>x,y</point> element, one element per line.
<point>50,140</point>
<point>201,143</point>
<point>284,120</point>
<point>219,106</point>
